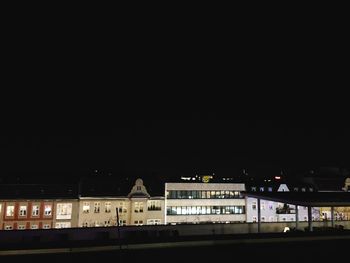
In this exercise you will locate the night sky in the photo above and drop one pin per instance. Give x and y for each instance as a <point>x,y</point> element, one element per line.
<point>165,145</point>
<point>118,123</point>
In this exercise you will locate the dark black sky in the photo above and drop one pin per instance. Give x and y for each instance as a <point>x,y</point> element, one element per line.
<point>170,144</point>
<point>173,98</point>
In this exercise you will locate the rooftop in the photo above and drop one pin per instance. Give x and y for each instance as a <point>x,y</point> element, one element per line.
<point>315,199</point>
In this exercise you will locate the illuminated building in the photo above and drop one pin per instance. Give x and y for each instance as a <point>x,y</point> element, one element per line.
<point>204,203</point>
<point>37,207</point>
<point>275,211</point>
<point>138,208</point>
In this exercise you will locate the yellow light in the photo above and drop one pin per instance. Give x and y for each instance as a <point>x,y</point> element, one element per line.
<point>206,178</point>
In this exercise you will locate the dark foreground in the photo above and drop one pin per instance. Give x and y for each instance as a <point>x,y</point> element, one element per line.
<point>336,250</point>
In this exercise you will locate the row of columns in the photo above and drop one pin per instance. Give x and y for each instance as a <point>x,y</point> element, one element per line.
<point>309,215</point>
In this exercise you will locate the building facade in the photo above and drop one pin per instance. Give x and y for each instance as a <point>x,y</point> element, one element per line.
<point>274,211</point>
<point>102,211</point>
<point>26,214</point>
<point>66,213</point>
<point>138,208</point>
<point>38,214</point>
<point>184,203</point>
<point>204,202</point>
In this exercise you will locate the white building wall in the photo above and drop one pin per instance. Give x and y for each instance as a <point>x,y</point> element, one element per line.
<point>138,215</point>
<point>210,202</point>
<point>269,214</point>
<point>102,217</point>
<point>155,217</point>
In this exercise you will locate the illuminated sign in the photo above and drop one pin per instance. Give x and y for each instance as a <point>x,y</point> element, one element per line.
<point>206,178</point>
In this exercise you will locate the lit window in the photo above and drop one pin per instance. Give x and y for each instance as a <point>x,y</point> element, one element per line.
<point>8,227</point>
<point>108,207</point>
<point>178,210</point>
<point>122,208</point>
<point>97,206</point>
<point>254,219</point>
<point>86,207</point>
<point>34,227</point>
<point>138,207</point>
<point>48,210</point>
<point>122,222</point>
<point>63,225</point>
<point>21,227</point>
<point>154,205</point>
<point>10,210</point>
<point>35,210</point>
<point>254,205</point>
<point>138,222</point>
<point>64,211</point>
<point>153,222</point>
<point>23,210</point>
<point>46,226</point>
<point>262,189</point>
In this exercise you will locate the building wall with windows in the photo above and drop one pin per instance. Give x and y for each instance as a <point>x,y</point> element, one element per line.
<point>138,208</point>
<point>276,211</point>
<point>138,215</point>
<point>26,214</point>
<point>66,213</point>
<point>155,211</point>
<point>273,211</point>
<point>102,211</point>
<point>204,202</point>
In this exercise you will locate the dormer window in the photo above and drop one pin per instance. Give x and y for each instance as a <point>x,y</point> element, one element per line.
<point>303,189</point>
<point>138,188</point>
<point>269,189</point>
<point>253,189</point>
<point>311,189</point>
<point>296,189</point>
<point>262,189</point>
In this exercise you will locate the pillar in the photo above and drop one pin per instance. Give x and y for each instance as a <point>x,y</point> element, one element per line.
<point>309,215</point>
<point>296,216</point>
<point>259,216</point>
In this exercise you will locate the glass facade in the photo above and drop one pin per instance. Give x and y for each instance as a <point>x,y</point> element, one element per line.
<point>204,194</point>
<point>205,210</point>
